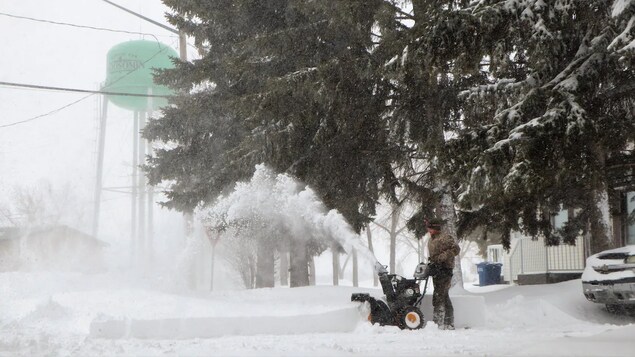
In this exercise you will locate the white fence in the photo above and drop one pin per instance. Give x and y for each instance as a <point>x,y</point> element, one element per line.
<point>528,256</point>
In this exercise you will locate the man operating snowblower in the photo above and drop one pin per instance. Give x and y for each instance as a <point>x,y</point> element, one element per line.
<point>401,305</point>
<point>442,249</point>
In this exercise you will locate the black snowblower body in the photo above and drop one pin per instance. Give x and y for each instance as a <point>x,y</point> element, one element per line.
<point>402,299</point>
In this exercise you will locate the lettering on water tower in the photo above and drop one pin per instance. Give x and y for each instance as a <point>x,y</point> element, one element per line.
<point>125,64</point>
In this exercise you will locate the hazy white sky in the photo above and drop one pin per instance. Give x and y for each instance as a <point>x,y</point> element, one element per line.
<point>61,148</point>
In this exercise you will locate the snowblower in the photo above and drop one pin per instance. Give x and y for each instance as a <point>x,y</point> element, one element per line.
<point>402,298</point>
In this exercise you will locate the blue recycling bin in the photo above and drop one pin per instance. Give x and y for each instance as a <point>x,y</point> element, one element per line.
<point>488,273</point>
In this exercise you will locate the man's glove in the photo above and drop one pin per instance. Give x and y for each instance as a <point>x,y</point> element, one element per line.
<point>438,270</point>
<point>432,269</point>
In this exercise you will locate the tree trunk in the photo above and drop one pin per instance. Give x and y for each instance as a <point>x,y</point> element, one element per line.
<point>355,271</point>
<point>447,213</point>
<point>601,227</point>
<point>599,216</point>
<point>336,264</point>
<point>311,271</point>
<point>265,264</point>
<point>252,273</point>
<point>298,264</point>
<point>370,247</point>
<point>189,246</point>
<point>394,222</point>
<point>343,265</point>
<point>284,267</point>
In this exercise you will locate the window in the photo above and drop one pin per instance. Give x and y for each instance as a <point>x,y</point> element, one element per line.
<point>559,219</point>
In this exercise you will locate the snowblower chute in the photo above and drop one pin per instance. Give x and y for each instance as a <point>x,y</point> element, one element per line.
<point>402,299</point>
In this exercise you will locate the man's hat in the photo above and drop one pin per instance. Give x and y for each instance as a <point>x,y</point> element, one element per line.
<point>434,223</point>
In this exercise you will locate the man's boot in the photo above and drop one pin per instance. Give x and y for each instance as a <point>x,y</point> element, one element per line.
<point>448,317</point>
<point>439,316</point>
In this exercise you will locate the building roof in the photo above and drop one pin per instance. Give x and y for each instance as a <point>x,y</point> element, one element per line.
<point>11,233</point>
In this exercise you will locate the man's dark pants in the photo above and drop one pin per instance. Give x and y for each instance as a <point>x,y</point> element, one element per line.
<point>443,310</point>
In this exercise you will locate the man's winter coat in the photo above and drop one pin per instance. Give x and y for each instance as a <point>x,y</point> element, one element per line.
<point>443,249</point>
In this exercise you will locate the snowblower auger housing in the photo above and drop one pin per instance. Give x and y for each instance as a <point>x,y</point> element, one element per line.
<point>403,298</point>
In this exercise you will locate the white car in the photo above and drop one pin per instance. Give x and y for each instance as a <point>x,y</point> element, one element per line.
<point>609,278</point>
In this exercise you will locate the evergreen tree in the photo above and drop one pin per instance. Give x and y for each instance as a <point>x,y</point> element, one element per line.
<point>430,45</point>
<point>287,83</point>
<point>508,109</point>
<point>293,85</point>
<point>538,133</point>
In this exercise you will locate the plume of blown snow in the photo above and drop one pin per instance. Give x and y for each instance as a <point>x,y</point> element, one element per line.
<point>282,201</point>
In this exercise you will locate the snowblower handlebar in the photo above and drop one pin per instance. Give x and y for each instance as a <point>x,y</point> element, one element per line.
<point>380,268</point>
<point>422,271</point>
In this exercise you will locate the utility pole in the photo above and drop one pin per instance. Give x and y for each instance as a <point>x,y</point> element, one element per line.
<point>187,215</point>
<point>142,188</point>
<point>182,46</point>
<point>135,157</point>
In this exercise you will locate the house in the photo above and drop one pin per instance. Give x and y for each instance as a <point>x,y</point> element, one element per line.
<point>529,261</point>
<point>50,248</point>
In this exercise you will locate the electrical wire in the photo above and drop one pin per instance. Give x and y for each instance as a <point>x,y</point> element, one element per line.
<point>62,89</point>
<point>17,85</point>
<point>79,100</point>
<point>78,26</point>
<point>45,114</point>
<point>93,27</point>
<point>143,17</point>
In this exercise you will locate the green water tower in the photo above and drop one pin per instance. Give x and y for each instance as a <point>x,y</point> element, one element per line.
<point>130,70</point>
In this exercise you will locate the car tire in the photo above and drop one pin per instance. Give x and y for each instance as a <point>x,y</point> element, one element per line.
<point>615,309</point>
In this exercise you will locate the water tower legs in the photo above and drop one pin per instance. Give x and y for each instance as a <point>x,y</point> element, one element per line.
<point>149,239</point>
<point>142,196</point>
<point>133,202</point>
<point>100,165</point>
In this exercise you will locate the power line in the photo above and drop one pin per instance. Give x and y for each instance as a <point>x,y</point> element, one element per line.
<point>75,25</point>
<point>143,17</point>
<point>79,100</point>
<point>61,89</point>
<point>92,27</point>
<point>45,114</point>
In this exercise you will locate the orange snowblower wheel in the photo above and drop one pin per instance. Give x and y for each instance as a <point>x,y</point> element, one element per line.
<point>410,318</point>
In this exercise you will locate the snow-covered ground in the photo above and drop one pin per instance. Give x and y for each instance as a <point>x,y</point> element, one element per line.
<point>48,313</point>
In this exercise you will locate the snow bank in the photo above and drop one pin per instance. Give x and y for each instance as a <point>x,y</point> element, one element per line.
<point>342,320</point>
<point>66,314</point>
<point>612,342</point>
<point>280,317</point>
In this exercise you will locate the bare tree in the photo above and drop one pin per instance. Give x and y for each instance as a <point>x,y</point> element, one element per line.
<point>369,236</point>
<point>45,204</point>
<point>394,224</point>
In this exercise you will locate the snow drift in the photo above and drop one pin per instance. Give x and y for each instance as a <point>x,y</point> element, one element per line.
<point>74,314</point>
